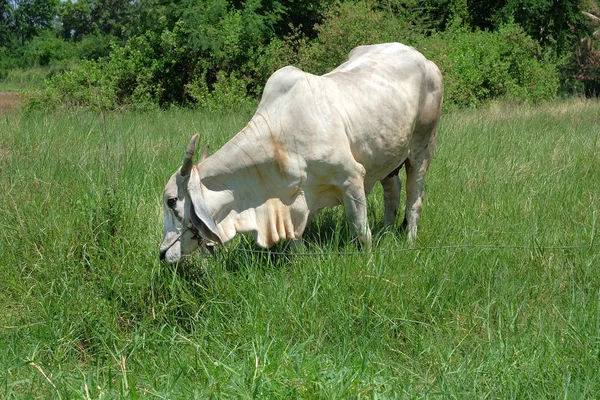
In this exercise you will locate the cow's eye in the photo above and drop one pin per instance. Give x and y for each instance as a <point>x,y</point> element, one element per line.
<point>172,202</point>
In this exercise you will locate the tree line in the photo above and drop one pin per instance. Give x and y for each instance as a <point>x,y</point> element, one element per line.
<point>155,53</point>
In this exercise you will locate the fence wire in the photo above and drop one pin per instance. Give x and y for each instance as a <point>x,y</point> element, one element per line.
<point>536,247</point>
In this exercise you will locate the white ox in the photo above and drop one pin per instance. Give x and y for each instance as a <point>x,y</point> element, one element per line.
<point>314,142</point>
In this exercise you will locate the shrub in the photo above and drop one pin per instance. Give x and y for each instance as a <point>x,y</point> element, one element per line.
<point>228,92</point>
<point>95,46</point>
<point>223,38</point>
<point>217,54</point>
<point>346,26</point>
<point>481,65</point>
<point>149,71</point>
<point>174,66</point>
<point>87,85</point>
<point>45,49</point>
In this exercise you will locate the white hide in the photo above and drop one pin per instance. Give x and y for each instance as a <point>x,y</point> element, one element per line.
<point>315,142</point>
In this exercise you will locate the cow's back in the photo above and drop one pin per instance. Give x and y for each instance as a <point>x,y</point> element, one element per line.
<point>369,108</point>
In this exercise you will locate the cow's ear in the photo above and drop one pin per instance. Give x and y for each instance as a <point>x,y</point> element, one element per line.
<point>205,154</point>
<point>199,215</point>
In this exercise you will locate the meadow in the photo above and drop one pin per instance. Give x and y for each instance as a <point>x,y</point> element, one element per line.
<point>18,80</point>
<point>499,298</point>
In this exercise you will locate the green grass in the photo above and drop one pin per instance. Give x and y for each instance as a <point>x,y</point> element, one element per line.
<point>87,311</point>
<point>18,80</point>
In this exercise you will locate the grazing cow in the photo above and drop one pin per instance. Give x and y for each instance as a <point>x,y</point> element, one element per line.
<point>314,142</point>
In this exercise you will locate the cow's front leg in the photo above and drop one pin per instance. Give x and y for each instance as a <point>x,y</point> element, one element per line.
<point>355,205</point>
<point>391,198</point>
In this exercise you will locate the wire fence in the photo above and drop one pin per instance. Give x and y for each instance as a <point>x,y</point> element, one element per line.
<point>535,247</point>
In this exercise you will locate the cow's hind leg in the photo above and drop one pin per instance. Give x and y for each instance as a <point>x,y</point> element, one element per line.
<point>391,197</point>
<point>416,167</point>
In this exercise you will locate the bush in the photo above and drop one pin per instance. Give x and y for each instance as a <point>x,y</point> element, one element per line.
<point>149,71</point>
<point>45,49</point>
<point>86,85</point>
<point>175,66</point>
<point>95,46</point>
<point>223,38</point>
<point>228,92</point>
<point>480,66</point>
<point>346,26</point>
<point>217,55</point>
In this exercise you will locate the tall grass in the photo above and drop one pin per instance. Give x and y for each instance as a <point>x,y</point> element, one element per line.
<point>491,304</point>
<point>17,80</point>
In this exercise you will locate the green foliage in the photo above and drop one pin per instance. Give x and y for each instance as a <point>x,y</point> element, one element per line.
<point>44,49</point>
<point>3,63</point>
<point>149,71</point>
<point>95,46</point>
<point>228,92</point>
<point>109,17</point>
<point>480,66</point>
<point>176,65</point>
<point>161,52</point>
<point>300,14</point>
<point>76,18</point>
<point>344,27</point>
<point>146,70</point>
<point>229,39</point>
<point>87,85</point>
<point>557,25</point>
<point>6,23</point>
<point>30,17</point>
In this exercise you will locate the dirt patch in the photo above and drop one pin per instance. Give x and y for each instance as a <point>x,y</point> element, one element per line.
<point>9,102</point>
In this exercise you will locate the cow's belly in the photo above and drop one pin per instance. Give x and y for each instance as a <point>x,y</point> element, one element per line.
<point>321,196</point>
<point>381,157</point>
<point>380,142</point>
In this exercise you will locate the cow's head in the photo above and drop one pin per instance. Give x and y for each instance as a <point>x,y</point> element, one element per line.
<point>187,219</point>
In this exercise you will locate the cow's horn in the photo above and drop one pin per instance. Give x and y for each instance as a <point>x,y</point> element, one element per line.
<point>188,160</point>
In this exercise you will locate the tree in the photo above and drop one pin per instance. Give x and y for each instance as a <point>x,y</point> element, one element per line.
<point>106,17</point>
<point>76,19</point>
<point>33,16</point>
<point>6,19</point>
<point>112,17</point>
<point>586,57</point>
<point>553,23</point>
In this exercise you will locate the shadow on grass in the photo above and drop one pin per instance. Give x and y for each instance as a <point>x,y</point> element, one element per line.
<point>329,232</point>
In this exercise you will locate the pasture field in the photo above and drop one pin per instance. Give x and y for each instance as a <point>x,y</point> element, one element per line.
<point>17,80</point>
<point>500,298</point>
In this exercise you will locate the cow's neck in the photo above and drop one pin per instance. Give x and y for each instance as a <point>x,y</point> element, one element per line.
<point>231,182</point>
<point>243,186</point>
